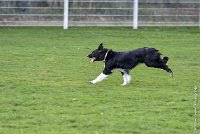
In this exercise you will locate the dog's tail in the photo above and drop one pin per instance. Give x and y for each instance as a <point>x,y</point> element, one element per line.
<point>165,59</point>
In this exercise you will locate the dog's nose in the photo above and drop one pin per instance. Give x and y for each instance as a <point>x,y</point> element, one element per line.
<point>89,56</point>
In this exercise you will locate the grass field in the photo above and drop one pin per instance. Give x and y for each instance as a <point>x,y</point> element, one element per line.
<point>44,87</point>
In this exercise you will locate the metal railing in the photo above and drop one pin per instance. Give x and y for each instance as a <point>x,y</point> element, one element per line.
<point>99,13</point>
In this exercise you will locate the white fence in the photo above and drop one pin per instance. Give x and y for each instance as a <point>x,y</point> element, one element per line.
<point>99,12</point>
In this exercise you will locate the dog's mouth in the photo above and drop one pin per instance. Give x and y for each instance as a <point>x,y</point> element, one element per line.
<point>93,59</point>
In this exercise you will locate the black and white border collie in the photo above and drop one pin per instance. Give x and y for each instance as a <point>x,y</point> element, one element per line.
<point>126,61</point>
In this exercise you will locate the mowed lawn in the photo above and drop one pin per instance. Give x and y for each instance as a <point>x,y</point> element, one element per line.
<point>44,88</point>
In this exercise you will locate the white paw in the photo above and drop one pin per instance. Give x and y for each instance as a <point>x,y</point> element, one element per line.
<point>91,82</point>
<point>124,84</point>
<point>171,74</point>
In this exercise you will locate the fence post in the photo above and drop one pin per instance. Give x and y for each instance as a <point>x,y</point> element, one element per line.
<point>135,14</point>
<point>66,14</point>
<point>195,110</point>
<point>199,15</point>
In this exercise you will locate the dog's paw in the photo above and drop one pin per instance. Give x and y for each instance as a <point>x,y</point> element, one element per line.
<point>91,82</point>
<point>171,74</point>
<point>124,84</point>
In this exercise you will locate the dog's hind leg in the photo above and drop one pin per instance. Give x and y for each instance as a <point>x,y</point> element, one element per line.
<point>126,76</point>
<point>159,63</point>
<point>166,68</point>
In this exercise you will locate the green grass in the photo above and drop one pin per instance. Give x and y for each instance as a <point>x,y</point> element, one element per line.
<point>44,87</point>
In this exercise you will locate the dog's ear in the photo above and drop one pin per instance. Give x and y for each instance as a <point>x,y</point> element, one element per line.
<point>100,46</point>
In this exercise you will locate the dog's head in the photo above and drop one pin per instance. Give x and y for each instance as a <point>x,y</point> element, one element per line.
<point>99,54</point>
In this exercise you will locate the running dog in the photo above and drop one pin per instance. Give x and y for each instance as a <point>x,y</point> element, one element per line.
<point>126,61</point>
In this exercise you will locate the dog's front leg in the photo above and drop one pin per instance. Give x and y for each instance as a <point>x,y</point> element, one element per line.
<point>127,79</point>
<point>101,77</point>
<point>126,76</point>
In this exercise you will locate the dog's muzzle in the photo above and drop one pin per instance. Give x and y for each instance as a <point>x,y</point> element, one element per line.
<point>93,59</point>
